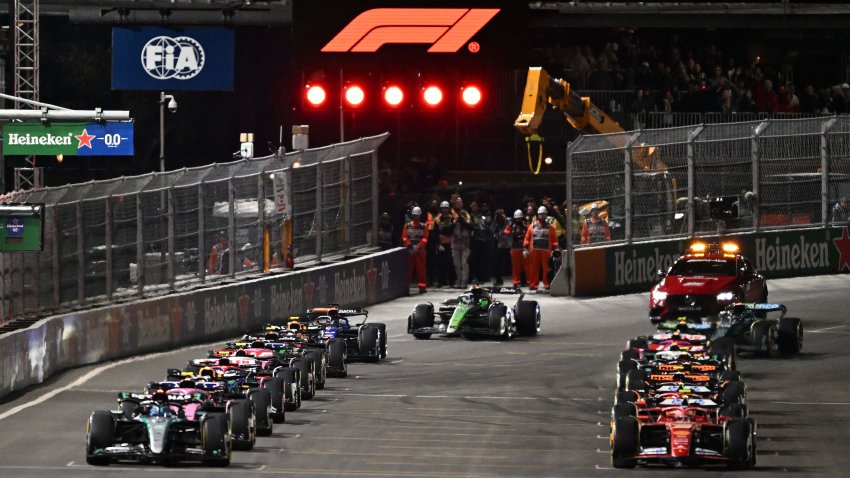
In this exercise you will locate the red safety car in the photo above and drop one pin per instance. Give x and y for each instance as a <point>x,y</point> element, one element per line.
<point>704,281</point>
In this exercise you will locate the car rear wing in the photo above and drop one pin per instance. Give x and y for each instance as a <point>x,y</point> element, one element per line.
<point>513,290</point>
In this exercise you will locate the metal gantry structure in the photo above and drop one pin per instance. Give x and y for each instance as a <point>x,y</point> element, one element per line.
<point>26,78</point>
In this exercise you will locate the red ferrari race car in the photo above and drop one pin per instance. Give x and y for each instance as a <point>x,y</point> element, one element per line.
<point>704,281</point>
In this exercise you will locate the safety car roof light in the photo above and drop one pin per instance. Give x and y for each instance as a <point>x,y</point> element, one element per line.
<point>699,247</point>
<point>730,247</point>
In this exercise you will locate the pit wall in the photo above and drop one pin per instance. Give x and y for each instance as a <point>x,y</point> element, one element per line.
<point>629,268</point>
<point>58,343</point>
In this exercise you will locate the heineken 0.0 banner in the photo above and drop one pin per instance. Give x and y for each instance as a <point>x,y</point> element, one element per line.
<point>68,139</point>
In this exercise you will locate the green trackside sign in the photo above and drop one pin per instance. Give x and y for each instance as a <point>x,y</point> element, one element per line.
<point>633,267</point>
<point>21,227</point>
<point>68,139</point>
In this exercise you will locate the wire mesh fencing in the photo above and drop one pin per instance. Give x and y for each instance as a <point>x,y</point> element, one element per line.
<point>142,235</point>
<point>711,178</point>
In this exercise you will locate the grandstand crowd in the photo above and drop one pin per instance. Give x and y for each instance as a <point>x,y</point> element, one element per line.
<point>681,77</point>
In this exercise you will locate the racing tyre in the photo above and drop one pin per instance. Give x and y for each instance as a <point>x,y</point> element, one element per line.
<point>368,342</point>
<point>497,321</point>
<point>423,316</point>
<point>242,429</point>
<point>735,410</point>
<point>635,380</point>
<point>637,343</point>
<point>733,393</point>
<point>382,339</point>
<point>129,408</point>
<point>622,370</point>
<point>261,398</point>
<point>626,396</point>
<point>724,350</point>
<point>277,398</point>
<point>215,440</point>
<point>790,336</point>
<point>730,376</point>
<point>625,409</point>
<point>291,387</point>
<point>308,384</point>
<point>527,317</point>
<point>336,359</point>
<point>630,354</point>
<point>318,357</point>
<point>625,442</point>
<point>100,433</point>
<point>739,443</point>
<point>765,337</point>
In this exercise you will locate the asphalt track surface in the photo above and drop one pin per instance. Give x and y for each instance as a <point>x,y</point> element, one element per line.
<point>457,408</point>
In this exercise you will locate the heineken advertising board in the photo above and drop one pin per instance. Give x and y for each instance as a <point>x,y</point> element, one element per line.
<point>68,139</point>
<point>21,227</point>
<point>633,267</point>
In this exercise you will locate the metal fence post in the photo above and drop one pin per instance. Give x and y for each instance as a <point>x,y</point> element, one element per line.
<point>81,255</point>
<point>692,136</point>
<point>627,185</point>
<point>202,270</point>
<point>57,272</point>
<point>140,244</point>
<point>346,178</point>
<point>374,241</point>
<point>757,173</point>
<point>170,268</point>
<point>824,167</point>
<point>108,240</point>
<point>231,227</point>
<point>320,217</point>
<point>261,209</point>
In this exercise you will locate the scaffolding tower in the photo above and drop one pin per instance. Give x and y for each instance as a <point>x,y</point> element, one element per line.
<point>26,78</point>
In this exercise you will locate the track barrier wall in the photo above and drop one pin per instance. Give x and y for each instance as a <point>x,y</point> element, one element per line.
<point>57,343</point>
<point>628,268</point>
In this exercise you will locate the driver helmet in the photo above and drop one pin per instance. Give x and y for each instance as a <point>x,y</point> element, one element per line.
<point>159,395</point>
<point>518,214</point>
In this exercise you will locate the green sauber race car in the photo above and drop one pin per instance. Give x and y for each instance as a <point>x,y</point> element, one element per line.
<point>476,313</point>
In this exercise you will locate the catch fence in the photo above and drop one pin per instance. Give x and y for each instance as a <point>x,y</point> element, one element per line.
<point>135,236</point>
<point>712,178</point>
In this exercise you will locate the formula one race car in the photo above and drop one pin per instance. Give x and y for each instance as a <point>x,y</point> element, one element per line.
<point>477,313</point>
<point>158,431</point>
<point>754,330</point>
<point>681,431</point>
<point>364,341</point>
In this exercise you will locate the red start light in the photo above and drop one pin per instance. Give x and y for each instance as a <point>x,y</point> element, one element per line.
<point>471,96</point>
<point>316,95</point>
<point>432,95</point>
<point>354,95</point>
<point>393,96</point>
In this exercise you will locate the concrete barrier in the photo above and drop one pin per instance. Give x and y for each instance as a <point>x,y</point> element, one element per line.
<point>57,343</point>
<point>627,268</point>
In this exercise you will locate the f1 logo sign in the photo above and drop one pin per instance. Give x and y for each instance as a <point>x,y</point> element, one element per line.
<point>445,29</point>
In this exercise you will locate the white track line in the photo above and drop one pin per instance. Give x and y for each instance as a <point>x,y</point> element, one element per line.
<point>826,328</point>
<point>88,376</point>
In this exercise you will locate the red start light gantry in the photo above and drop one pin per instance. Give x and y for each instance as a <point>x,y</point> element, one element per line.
<point>432,95</point>
<point>471,96</point>
<point>354,95</point>
<point>316,95</point>
<point>394,96</point>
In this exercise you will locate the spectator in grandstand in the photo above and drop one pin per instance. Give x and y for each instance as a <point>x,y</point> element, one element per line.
<point>767,101</point>
<point>747,104</point>
<point>727,104</point>
<point>595,228</point>
<point>243,261</point>
<point>809,102</point>
<point>667,105</point>
<point>841,212</point>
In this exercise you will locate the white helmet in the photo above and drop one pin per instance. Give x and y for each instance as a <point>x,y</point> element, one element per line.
<point>417,211</point>
<point>542,210</point>
<point>444,204</point>
<point>518,214</point>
